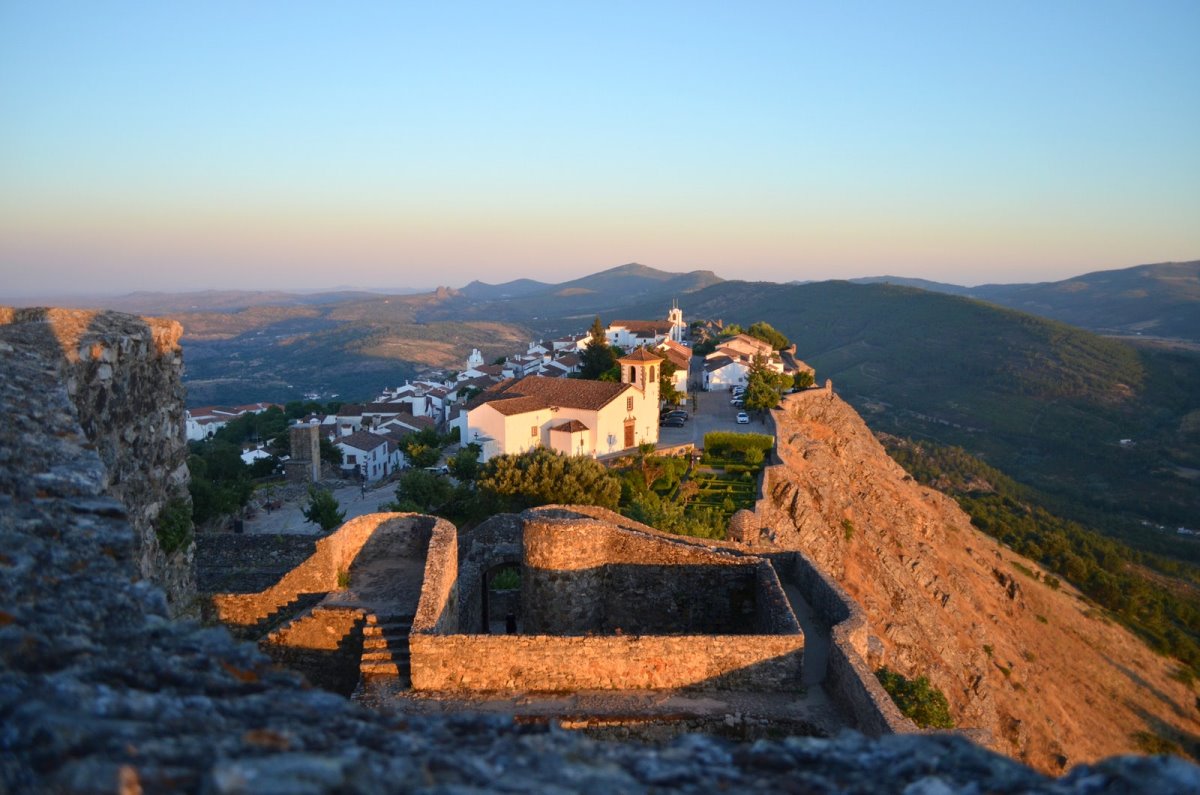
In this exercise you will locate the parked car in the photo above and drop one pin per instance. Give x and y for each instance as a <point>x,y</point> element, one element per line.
<point>743,418</point>
<point>671,422</point>
<point>680,413</point>
<point>738,390</point>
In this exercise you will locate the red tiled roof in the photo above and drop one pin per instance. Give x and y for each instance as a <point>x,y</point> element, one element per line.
<point>537,391</point>
<point>640,355</point>
<point>574,426</point>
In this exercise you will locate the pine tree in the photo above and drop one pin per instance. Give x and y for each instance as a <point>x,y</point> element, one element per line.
<point>597,358</point>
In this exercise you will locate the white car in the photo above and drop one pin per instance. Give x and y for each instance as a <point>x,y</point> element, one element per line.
<point>743,418</point>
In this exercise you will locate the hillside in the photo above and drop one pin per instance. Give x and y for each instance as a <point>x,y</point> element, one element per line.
<point>1043,401</point>
<point>1160,300</point>
<point>1037,665</point>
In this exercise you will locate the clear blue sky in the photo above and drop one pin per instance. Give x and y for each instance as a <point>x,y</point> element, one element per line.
<point>165,145</point>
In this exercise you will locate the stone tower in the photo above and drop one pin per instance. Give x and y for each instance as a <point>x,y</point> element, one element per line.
<point>304,464</point>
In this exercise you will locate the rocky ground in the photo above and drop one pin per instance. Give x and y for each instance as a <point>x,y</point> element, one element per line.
<point>1041,669</point>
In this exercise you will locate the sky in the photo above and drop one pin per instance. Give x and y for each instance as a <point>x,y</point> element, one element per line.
<point>183,146</point>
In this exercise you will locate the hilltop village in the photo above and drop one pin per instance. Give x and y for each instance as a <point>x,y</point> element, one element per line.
<point>532,398</point>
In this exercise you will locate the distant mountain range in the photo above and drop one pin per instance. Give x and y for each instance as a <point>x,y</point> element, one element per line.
<point>1161,300</point>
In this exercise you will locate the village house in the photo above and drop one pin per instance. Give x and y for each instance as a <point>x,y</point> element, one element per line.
<point>729,365</point>
<point>572,416</point>
<point>629,334</point>
<point>365,453</point>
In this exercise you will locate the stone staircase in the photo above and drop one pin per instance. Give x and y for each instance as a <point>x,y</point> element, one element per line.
<point>278,618</point>
<point>385,648</point>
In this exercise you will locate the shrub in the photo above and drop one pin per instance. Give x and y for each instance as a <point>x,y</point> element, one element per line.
<point>322,509</point>
<point>507,579</point>
<point>917,699</point>
<point>174,526</point>
<point>848,529</point>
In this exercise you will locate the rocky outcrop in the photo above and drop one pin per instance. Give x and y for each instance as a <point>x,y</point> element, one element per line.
<point>123,375</point>
<point>1038,668</point>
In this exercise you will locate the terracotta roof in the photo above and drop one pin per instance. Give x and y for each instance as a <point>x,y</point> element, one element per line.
<point>640,355</point>
<point>570,360</point>
<point>543,392</point>
<point>678,355</point>
<point>574,426</point>
<point>508,405</point>
<point>645,326</point>
<point>362,440</point>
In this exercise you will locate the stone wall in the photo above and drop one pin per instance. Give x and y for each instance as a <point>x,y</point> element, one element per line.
<point>235,562</point>
<point>123,375</point>
<point>319,573</point>
<point>325,645</point>
<point>849,680</point>
<point>643,662</point>
<point>585,575</point>
<point>558,653</point>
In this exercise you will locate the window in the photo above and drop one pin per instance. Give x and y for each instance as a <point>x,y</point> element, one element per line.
<point>351,459</point>
<point>652,374</point>
<point>629,404</point>
<point>632,374</point>
<point>532,431</point>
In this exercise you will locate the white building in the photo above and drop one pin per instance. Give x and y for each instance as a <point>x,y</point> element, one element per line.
<point>572,416</point>
<point>367,453</point>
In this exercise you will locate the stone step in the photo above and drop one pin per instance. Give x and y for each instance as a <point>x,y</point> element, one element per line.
<point>372,618</point>
<point>381,642</point>
<point>376,630</point>
<point>376,656</point>
<point>385,669</point>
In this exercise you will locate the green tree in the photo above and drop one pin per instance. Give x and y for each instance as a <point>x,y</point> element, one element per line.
<point>666,385</point>
<point>764,387</point>
<point>322,509</point>
<point>767,333</point>
<point>421,492</point>
<point>544,477</point>
<point>802,380</point>
<point>421,455</point>
<point>464,465</point>
<point>598,357</point>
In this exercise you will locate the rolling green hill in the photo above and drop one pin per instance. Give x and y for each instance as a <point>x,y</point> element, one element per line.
<point>1045,402</point>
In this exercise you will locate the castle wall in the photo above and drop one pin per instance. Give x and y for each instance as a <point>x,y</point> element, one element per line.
<point>574,568</point>
<point>645,662</point>
<point>583,575</point>
<point>123,376</point>
<point>333,555</point>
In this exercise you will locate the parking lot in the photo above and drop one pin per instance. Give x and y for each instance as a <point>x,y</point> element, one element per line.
<point>710,411</point>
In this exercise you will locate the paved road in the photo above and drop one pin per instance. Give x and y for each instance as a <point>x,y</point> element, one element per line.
<point>711,411</point>
<point>290,520</point>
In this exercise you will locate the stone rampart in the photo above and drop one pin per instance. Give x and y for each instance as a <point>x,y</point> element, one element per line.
<point>243,563</point>
<point>642,662</point>
<point>123,376</point>
<point>320,573</point>
<point>849,680</point>
<point>671,597</point>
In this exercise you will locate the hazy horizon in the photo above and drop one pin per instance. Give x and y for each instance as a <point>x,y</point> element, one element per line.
<point>292,146</point>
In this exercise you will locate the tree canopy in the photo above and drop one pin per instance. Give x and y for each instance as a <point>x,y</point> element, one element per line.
<point>766,332</point>
<point>544,477</point>
<point>764,386</point>
<point>598,357</point>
